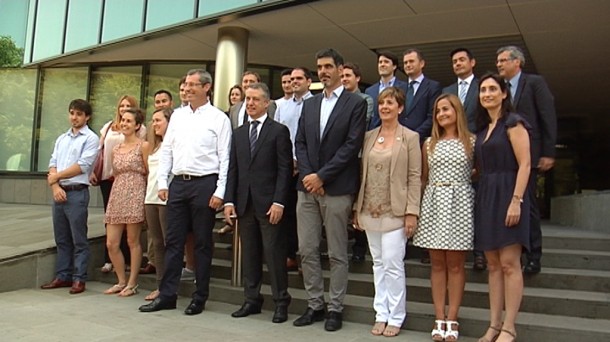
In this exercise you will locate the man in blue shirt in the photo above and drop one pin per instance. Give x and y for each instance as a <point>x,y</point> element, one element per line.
<point>69,170</point>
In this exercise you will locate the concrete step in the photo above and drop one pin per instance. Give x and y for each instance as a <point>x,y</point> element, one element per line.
<point>473,320</point>
<point>549,278</point>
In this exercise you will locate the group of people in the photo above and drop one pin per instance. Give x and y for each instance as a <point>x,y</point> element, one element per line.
<point>400,161</point>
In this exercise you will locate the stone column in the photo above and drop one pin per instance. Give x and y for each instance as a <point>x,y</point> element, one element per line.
<point>231,60</point>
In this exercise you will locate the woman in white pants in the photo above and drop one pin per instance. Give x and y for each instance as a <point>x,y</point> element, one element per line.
<point>387,207</point>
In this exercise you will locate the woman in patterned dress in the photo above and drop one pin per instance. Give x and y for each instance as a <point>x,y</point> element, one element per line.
<point>387,207</point>
<point>126,205</point>
<point>446,225</point>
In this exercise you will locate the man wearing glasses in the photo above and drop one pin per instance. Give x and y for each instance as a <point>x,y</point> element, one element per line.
<point>196,151</point>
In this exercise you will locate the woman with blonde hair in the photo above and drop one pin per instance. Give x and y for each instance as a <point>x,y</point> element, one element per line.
<point>387,207</point>
<point>446,226</point>
<point>155,207</point>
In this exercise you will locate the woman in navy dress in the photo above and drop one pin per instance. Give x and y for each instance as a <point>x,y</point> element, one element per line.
<point>502,160</point>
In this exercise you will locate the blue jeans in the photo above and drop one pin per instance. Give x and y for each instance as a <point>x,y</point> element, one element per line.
<point>70,228</point>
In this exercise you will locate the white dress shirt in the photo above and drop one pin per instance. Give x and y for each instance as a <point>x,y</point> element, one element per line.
<point>289,113</point>
<point>327,106</point>
<point>198,144</point>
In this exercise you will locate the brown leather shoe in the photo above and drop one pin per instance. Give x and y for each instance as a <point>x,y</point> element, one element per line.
<point>291,265</point>
<point>77,287</point>
<point>148,269</point>
<point>56,283</point>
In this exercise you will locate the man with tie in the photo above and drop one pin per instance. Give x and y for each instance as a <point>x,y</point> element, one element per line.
<point>387,64</point>
<point>531,98</point>
<point>467,89</point>
<point>196,151</point>
<point>467,85</point>
<point>329,137</point>
<point>259,179</point>
<point>237,113</point>
<point>421,94</point>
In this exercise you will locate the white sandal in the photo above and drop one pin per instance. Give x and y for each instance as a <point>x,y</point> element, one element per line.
<point>107,268</point>
<point>438,333</point>
<point>450,333</point>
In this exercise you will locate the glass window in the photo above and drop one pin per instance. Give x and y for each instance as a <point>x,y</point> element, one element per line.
<point>14,19</point>
<point>108,84</point>
<point>17,98</point>
<point>161,13</point>
<point>58,88</point>
<point>79,36</point>
<point>122,18</point>
<point>166,76</point>
<point>49,31</point>
<point>209,7</point>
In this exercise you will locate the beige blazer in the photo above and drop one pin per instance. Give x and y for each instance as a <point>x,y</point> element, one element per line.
<point>405,171</point>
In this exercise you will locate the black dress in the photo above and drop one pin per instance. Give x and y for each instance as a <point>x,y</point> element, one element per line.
<point>497,167</point>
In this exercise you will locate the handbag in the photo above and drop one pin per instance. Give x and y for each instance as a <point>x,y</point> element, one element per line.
<point>98,165</point>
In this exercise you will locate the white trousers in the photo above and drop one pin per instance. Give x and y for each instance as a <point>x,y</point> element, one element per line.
<point>388,252</point>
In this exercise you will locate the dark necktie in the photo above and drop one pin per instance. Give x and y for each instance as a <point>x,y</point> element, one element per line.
<point>253,135</point>
<point>462,94</point>
<point>410,94</point>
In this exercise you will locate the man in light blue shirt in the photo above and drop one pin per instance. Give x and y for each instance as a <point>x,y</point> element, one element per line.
<point>69,169</point>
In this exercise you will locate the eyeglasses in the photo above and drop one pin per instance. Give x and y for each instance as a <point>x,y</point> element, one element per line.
<point>192,84</point>
<point>504,60</point>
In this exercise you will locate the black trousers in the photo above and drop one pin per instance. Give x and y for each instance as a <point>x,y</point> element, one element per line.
<point>188,210</point>
<point>535,252</point>
<point>260,238</point>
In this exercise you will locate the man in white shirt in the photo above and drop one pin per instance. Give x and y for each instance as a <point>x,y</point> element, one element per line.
<point>286,88</point>
<point>196,151</point>
<point>289,114</point>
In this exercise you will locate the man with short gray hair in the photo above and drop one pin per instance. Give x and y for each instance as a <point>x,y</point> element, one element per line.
<point>531,98</point>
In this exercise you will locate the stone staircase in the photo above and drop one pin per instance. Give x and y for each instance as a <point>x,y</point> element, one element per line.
<point>568,301</point>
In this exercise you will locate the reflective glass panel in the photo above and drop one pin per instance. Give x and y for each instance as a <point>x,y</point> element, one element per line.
<point>14,19</point>
<point>108,84</point>
<point>58,88</point>
<point>17,98</point>
<point>166,76</point>
<point>161,13</point>
<point>49,31</point>
<point>122,18</point>
<point>209,7</point>
<point>83,26</point>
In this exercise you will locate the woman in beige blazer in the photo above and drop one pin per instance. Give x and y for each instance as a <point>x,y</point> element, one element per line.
<point>387,207</point>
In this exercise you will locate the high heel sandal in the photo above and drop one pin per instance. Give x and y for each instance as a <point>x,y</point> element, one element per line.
<point>116,288</point>
<point>450,334</point>
<point>512,334</point>
<point>493,339</point>
<point>438,333</point>
<point>129,291</point>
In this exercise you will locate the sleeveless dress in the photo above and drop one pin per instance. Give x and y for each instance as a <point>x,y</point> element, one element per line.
<point>497,166</point>
<point>447,211</point>
<point>126,203</point>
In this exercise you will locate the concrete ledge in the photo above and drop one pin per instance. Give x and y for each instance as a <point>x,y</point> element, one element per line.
<point>588,211</point>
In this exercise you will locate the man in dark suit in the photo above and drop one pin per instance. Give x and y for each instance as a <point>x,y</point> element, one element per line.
<point>421,94</point>
<point>467,85</point>
<point>467,89</point>
<point>329,137</point>
<point>237,112</point>
<point>258,181</point>
<point>387,63</point>
<point>532,99</point>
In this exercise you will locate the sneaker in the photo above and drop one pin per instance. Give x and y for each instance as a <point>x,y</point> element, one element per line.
<point>187,274</point>
<point>107,268</point>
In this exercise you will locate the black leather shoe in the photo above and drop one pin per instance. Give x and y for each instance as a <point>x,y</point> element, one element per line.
<point>357,258</point>
<point>309,317</point>
<point>334,321</point>
<point>195,308</point>
<point>532,267</point>
<point>479,264</point>
<point>280,315</point>
<point>246,310</point>
<point>159,304</point>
